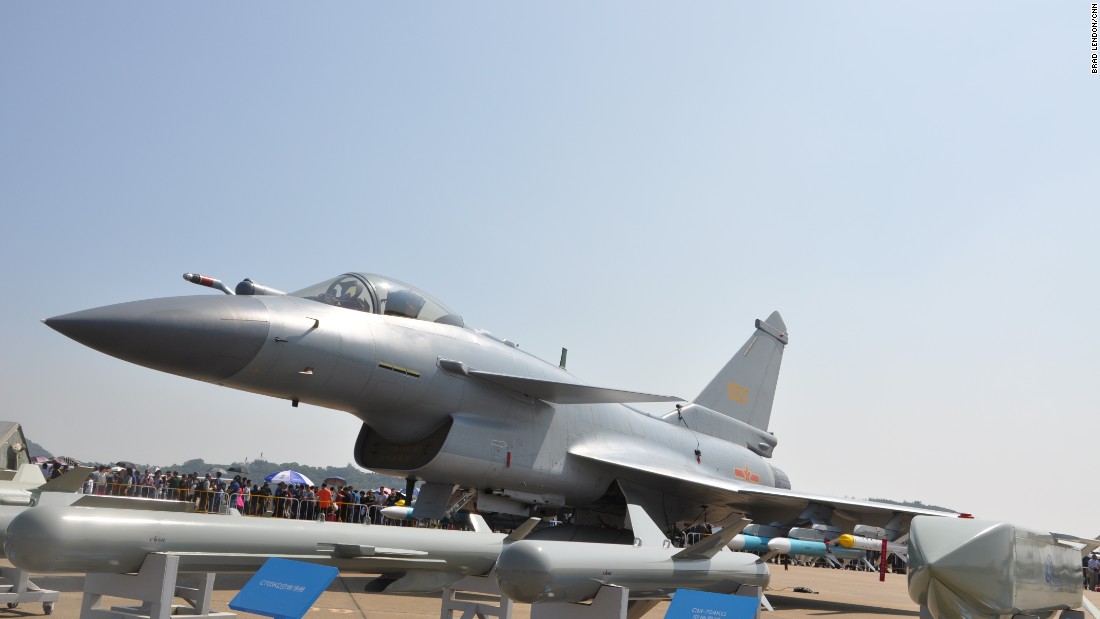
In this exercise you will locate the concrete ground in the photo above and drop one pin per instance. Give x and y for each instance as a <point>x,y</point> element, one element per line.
<point>838,593</point>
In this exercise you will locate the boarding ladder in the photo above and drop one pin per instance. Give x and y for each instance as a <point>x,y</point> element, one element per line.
<point>467,495</point>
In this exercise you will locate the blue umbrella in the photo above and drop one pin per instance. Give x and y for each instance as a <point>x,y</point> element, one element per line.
<point>288,477</point>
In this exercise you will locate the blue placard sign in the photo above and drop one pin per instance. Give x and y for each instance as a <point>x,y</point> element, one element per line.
<point>284,588</point>
<point>688,604</point>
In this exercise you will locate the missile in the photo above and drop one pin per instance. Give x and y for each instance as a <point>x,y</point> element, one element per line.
<point>400,512</point>
<point>7,514</point>
<point>82,539</point>
<point>866,543</point>
<point>397,512</point>
<point>788,546</point>
<point>980,568</point>
<point>531,571</point>
<point>749,543</point>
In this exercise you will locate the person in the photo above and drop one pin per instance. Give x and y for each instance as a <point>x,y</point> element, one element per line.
<point>204,492</point>
<point>280,500</point>
<point>342,504</point>
<point>244,498</point>
<point>126,482</point>
<point>362,506</point>
<point>1094,572</point>
<point>217,499</point>
<point>174,482</point>
<point>324,501</point>
<point>264,494</point>
<point>101,480</point>
<point>309,504</point>
<point>148,485</point>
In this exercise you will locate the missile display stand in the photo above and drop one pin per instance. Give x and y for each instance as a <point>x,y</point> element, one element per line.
<point>154,586</point>
<point>476,597</point>
<point>16,588</point>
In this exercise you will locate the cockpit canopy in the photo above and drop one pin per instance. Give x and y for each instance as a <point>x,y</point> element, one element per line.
<point>375,294</point>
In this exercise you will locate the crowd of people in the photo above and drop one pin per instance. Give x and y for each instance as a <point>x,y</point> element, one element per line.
<point>217,493</point>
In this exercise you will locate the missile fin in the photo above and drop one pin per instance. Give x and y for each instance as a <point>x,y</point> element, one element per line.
<point>408,563</point>
<point>401,552</point>
<point>70,481</point>
<point>1087,545</point>
<point>478,524</point>
<point>522,530</point>
<point>645,530</point>
<point>419,581</point>
<point>349,550</point>
<point>712,545</point>
<point>352,551</point>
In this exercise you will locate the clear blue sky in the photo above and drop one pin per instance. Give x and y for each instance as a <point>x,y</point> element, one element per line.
<point>914,186</point>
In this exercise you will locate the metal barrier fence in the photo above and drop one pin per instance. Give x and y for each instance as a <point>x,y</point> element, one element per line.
<point>248,504</point>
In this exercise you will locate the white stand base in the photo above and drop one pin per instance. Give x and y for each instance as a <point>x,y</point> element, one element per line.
<point>16,588</point>
<point>481,599</point>
<point>155,585</point>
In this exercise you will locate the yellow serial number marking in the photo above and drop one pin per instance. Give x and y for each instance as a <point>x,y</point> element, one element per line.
<point>738,393</point>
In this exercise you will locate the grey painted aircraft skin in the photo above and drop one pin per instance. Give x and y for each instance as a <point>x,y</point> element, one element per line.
<point>451,405</point>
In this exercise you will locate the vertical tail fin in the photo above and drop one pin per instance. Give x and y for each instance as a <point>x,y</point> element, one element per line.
<point>745,388</point>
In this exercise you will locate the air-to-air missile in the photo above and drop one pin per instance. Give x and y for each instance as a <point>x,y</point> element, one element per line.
<point>80,539</point>
<point>397,512</point>
<point>848,540</point>
<point>534,571</point>
<point>749,543</point>
<point>808,548</point>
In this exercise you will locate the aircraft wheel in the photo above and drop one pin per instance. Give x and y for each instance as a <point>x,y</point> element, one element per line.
<point>13,604</point>
<point>47,607</point>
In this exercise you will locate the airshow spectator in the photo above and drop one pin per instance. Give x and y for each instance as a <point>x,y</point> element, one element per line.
<point>324,500</point>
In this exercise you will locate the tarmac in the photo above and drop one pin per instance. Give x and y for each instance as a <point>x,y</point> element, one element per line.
<point>839,593</point>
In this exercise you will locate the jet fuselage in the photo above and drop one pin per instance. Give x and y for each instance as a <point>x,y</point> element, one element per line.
<point>423,419</point>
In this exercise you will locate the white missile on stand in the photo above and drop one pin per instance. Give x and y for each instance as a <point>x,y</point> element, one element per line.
<point>540,571</point>
<point>81,539</point>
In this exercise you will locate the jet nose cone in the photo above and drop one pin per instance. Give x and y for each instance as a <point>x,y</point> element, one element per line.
<point>202,337</point>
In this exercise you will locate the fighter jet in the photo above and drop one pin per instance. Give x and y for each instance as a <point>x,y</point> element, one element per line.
<point>460,409</point>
